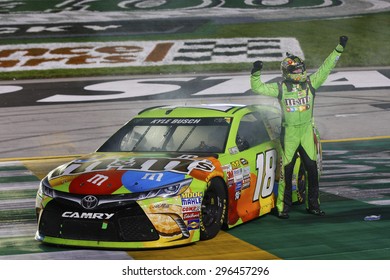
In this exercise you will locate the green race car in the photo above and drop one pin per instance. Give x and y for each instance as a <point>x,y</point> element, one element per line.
<point>170,176</point>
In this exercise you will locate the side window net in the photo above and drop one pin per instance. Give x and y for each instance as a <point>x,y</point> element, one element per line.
<point>252,131</point>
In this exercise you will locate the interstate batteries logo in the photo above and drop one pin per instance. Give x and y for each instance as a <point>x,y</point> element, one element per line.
<point>144,53</point>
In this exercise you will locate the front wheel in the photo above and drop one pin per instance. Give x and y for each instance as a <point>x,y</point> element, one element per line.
<point>213,209</point>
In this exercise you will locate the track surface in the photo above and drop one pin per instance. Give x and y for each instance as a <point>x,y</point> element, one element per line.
<point>352,104</point>
<point>355,182</point>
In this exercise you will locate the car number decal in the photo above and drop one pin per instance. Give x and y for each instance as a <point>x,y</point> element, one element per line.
<point>266,168</point>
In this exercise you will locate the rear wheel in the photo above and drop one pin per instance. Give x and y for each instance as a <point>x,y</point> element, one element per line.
<point>213,209</point>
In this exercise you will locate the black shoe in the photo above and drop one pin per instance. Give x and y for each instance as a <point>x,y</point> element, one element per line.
<point>317,212</point>
<point>283,215</point>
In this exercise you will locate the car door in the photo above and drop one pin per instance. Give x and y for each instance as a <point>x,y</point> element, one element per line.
<point>252,171</point>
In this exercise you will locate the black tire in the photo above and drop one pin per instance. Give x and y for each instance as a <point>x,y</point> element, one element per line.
<point>213,209</point>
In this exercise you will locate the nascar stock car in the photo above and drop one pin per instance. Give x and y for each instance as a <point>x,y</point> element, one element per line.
<point>170,176</point>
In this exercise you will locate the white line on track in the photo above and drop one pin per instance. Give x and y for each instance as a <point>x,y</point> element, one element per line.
<point>72,255</point>
<point>346,115</point>
<point>19,186</point>
<point>10,163</point>
<point>25,203</point>
<point>15,173</point>
<point>18,230</point>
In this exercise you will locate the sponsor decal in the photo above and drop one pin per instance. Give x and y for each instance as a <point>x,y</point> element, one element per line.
<point>297,101</point>
<point>191,208</point>
<point>226,167</point>
<point>191,201</point>
<point>246,171</point>
<point>235,164</point>
<point>87,215</point>
<point>139,181</point>
<point>161,206</point>
<point>98,183</point>
<point>238,186</point>
<point>246,177</point>
<point>230,177</point>
<point>89,202</point>
<point>193,224</point>
<point>191,205</point>
<point>202,165</point>
<point>238,175</point>
<point>246,182</point>
<point>297,104</point>
<point>150,169</point>
<point>191,215</point>
<point>98,179</point>
<point>192,195</point>
<point>237,195</point>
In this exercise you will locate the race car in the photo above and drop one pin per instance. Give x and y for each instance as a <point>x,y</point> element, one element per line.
<point>170,176</point>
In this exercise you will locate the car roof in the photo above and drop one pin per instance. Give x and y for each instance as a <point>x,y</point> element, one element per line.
<point>201,110</point>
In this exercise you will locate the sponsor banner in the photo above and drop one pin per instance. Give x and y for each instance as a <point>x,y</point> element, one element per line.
<point>144,53</point>
<point>19,93</point>
<point>58,6</point>
<point>80,28</point>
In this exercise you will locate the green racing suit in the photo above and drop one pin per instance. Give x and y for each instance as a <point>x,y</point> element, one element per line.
<point>297,101</point>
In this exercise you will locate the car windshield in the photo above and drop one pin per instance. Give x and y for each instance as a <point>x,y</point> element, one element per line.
<point>170,135</point>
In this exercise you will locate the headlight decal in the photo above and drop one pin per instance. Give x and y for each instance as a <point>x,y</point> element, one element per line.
<point>45,189</point>
<point>141,181</point>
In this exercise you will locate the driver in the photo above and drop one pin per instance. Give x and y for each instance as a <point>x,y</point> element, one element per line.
<point>296,97</point>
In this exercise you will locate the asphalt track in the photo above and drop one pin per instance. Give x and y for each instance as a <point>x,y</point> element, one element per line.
<point>354,103</point>
<point>355,183</point>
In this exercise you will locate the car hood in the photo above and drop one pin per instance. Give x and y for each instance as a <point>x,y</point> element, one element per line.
<point>121,173</point>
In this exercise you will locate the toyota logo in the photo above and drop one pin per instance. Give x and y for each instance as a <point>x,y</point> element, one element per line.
<point>89,202</point>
